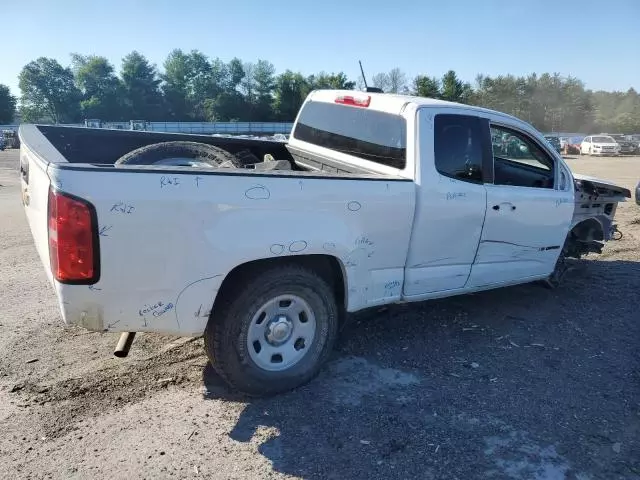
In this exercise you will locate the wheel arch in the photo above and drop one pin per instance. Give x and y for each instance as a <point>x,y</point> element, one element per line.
<point>329,267</point>
<point>588,235</point>
<point>589,229</point>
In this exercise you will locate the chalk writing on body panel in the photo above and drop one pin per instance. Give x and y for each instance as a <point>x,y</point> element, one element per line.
<point>122,207</point>
<point>157,309</point>
<point>169,182</point>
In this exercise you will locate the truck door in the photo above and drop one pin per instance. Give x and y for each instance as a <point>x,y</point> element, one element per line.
<point>529,211</point>
<point>452,155</point>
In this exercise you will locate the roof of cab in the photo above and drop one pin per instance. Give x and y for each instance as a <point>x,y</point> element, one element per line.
<point>393,102</point>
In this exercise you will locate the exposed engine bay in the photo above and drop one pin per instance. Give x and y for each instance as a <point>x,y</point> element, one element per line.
<point>596,202</point>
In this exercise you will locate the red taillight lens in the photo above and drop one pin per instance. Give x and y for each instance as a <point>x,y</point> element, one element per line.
<point>72,239</point>
<point>355,101</point>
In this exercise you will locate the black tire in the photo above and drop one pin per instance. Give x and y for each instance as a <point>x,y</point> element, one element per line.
<point>227,332</point>
<point>201,152</point>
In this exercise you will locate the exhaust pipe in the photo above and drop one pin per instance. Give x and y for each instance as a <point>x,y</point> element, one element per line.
<point>124,344</point>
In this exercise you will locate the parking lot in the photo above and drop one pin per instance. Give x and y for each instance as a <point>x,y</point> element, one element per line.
<point>516,383</point>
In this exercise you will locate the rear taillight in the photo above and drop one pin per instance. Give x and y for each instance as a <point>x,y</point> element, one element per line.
<point>73,239</point>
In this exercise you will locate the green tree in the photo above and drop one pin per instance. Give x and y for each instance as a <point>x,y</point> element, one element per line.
<point>257,87</point>
<point>424,86</point>
<point>188,81</point>
<point>143,98</point>
<point>49,92</point>
<point>290,91</point>
<point>7,105</point>
<point>332,81</point>
<point>101,89</point>
<point>176,85</point>
<point>453,89</point>
<point>264,74</point>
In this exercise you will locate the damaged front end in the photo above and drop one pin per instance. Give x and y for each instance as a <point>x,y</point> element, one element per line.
<point>593,224</point>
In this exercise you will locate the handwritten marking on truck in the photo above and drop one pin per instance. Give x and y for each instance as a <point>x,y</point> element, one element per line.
<point>258,192</point>
<point>163,310</point>
<point>111,325</point>
<point>104,229</point>
<point>277,249</point>
<point>329,246</point>
<point>297,246</point>
<point>192,284</point>
<point>169,181</point>
<point>122,207</point>
<point>197,181</point>
<point>454,195</point>
<point>354,206</point>
<point>149,308</point>
<point>157,309</point>
<point>364,241</point>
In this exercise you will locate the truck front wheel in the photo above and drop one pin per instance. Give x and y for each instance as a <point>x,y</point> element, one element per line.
<point>275,333</point>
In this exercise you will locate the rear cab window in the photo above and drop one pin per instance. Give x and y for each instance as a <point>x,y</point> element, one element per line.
<point>458,147</point>
<point>360,132</point>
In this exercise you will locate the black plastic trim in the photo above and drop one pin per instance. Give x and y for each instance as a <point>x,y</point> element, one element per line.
<point>487,151</point>
<point>95,238</point>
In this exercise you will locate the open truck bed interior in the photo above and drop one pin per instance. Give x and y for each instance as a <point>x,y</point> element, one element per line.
<point>105,146</point>
<point>67,147</point>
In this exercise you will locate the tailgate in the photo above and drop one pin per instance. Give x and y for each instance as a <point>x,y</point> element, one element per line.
<point>35,193</point>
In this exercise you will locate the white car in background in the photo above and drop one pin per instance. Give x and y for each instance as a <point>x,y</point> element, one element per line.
<point>599,145</point>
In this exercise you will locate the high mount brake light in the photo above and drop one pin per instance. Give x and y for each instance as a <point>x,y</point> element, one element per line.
<point>355,101</point>
<point>73,239</point>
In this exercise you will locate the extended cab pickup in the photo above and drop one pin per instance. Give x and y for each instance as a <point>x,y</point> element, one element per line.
<point>375,199</point>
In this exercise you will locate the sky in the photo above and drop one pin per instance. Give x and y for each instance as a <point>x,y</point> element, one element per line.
<point>595,41</point>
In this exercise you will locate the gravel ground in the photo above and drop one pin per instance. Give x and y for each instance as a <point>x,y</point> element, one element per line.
<point>518,383</point>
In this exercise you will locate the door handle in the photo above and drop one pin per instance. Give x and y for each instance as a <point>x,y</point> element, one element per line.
<point>512,206</point>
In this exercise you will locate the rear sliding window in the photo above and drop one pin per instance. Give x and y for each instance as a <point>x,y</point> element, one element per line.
<point>367,134</point>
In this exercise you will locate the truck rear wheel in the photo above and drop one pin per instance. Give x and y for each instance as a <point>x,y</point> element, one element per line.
<point>179,153</point>
<point>275,333</point>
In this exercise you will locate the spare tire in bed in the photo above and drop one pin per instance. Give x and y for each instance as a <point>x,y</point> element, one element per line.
<point>179,153</point>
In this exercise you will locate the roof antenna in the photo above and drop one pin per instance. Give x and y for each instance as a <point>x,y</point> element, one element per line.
<point>367,88</point>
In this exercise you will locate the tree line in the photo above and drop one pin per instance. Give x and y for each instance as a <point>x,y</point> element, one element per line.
<point>194,87</point>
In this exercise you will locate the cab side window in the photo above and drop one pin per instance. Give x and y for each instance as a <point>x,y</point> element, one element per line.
<point>458,147</point>
<point>519,161</point>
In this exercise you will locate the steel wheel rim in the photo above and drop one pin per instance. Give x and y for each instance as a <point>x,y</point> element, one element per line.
<point>281,333</point>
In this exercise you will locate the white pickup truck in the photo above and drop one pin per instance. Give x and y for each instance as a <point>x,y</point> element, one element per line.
<point>375,199</point>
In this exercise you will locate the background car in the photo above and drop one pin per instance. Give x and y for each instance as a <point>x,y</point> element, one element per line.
<point>626,145</point>
<point>599,145</point>
<point>555,141</point>
<point>572,145</point>
<point>635,138</point>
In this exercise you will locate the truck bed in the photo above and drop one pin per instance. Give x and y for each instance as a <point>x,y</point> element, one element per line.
<point>69,147</point>
<point>104,146</point>
<point>170,234</point>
